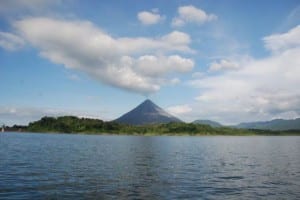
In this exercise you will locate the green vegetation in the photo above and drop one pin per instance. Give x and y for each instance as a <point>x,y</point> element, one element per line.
<point>71,124</point>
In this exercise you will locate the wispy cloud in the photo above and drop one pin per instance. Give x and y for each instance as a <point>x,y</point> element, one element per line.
<point>10,115</point>
<point>74,77</point>
<point>281,42</point>
<point>261,89</point>
<point>223,64</point>
<point>11,42</point>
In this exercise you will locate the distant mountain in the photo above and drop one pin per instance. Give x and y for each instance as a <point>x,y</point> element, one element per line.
<point>276,124</point>
<point>207,122</point>
<point>147,113</point>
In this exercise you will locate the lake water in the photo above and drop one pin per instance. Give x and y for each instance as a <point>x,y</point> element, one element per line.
<point>61,166</point>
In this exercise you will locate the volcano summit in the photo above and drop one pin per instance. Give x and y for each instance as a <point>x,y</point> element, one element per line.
<point>147,113</point>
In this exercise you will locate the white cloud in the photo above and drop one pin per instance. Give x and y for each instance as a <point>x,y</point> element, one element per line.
<point>223,64</point>
<point>191,14</point>
<point>149,18</point>
<point>260,90</point>
<point>179,110</point>
<point>121,62</point>
<point>280,42</point>
<point>10,41</point>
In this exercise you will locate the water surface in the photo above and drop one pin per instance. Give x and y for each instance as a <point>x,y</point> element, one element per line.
<point>57,166</point>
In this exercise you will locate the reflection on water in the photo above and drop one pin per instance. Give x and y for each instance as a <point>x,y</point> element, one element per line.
<point>130,167</point>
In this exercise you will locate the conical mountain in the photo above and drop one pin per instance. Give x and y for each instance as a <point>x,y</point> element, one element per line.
<point>147,113</point>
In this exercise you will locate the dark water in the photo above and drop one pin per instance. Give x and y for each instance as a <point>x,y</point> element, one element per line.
<point>54,166</point>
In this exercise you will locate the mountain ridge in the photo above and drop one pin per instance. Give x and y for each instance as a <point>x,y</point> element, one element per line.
<point>275,124</point>
<point>207,122</point>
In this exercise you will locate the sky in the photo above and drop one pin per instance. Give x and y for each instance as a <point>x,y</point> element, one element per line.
<point>229,61</point>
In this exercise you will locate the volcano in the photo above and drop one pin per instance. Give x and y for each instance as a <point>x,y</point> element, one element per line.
<point>147,113</point>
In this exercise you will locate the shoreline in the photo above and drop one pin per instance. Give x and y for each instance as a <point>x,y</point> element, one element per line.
<point>154,134</point>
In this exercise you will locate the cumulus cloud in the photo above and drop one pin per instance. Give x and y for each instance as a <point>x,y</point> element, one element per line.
<point>261,90</point>
<point>177,38</point>
<point>149,17</point>
<point>223,64</point>
<point>135,64</point>
<point>10,41</point>
<point>150,65</point>
<point>191,14</point>
<point>174,41</point>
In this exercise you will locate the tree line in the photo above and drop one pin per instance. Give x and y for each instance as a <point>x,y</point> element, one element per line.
<point>72,124</point>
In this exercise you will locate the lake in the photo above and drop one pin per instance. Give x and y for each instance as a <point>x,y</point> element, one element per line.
<point>63,166</point>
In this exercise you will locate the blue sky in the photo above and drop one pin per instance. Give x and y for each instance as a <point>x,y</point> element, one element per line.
<point>229,61</point>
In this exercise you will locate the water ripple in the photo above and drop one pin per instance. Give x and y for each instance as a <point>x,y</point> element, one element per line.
<point>49,166</point>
